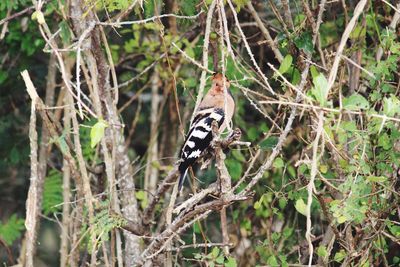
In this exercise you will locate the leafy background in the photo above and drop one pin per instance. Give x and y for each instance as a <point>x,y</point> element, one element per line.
<point>356,185</point>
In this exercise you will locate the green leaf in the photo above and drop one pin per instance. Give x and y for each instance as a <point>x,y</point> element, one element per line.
<point>287,232</point>
<point>355,102</point>
<point>220,259</point>
<point>63,144</point>
<point>197,228</point>
<point>238,155</point>
<point>341,219</point>
<point>304,42</point>
<point>3,76</point>
<point>38,15</point>
<point>320,89</point>
<point>257,205</point>
<point>358,32</point>
<point>52,192</point>
<point>235,168</point>
<point>282,202</point>
<point>384,141</point>
<point>239,4</point>
<point>322,251</point>
<point>286,63</point>
<point>12,229</point>
<point>377,179</point>
<point>272,261</point>
<point>142,196</point>
<point>269,143</point>
<point>231,262</point>
<point>97,132</point>
<point>215,252</point>
<point>14,156</point>
<point>278,163</point>
<point>340,255</point>
<point>301,207</point>
<point>65,32</point>
<point>391,106</point>
<point>197,256</point>
<point>314,72</point>
<point>252,134</point>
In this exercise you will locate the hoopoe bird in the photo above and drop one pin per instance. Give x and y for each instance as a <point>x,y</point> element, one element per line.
<point>217,105</point>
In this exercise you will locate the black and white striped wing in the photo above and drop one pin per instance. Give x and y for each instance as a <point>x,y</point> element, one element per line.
<point>198,138</point>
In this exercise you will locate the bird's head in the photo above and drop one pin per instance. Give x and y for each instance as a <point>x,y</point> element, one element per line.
<point>218,82</point>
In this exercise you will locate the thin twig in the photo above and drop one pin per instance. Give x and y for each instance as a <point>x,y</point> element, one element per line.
<point>311,186</point>
<point>32,209</point>
<point>205,57</point>
<point>13,16</point>
<point>246,44</point>
<point>143,21</point>
<point>346,34</point>
<point>265,32</point>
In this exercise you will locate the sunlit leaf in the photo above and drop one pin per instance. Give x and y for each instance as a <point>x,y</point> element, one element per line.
<point>355,102</point>
<point>301,207</point>
<point>97,132</point>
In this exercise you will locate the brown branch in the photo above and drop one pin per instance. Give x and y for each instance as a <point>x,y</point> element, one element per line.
<point>32,208</point>
<point>180,224</point>
<point>287,14</point>
<point>275,152</point>
<point>265,32</point>
<point>161,189</point>
<point>15,15</point>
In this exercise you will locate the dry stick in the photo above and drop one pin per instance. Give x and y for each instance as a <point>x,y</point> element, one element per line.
<point>54,133</point>
<point>112,66</point>
<point>151,172</point>
<point>249,168</point>
<point>196,198</point>
<point>110,160</point>
<point>78,65</point>
<point>146,256</point>
<point>205,57</point>
<point>225,30</point>
<point>207,245</point>
<point>161,189</point>
<point>159,242</point>
<point>279,17</point>
<point>192,60</point>
<point>287,13</point>
<point>397,9</point>
<point>85,177</point>
<point>44,30</point>
<point>310,18</point>
<point>393,25</point>
<point>246,44</point>
<point>149,19</point>
<point>268,163</point>
<point>340,111</point>
<point>359,67</point>
<point>36,191</point>
<point>311,186</point>
<point>183,221</point>
<point>140,75</point>
<point>224,177</point>
<point>65,240</point>
<point>349,28</point>
<point>32,209</point>
<point>168,219</point>
<point>126,11</point>
<point>13,16</point>
<point>265,32</point>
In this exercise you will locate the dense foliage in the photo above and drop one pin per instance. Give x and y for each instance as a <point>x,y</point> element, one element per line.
<point>325,141</point>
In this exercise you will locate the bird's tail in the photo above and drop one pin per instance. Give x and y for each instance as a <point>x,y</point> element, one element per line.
<point>182,179</point>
